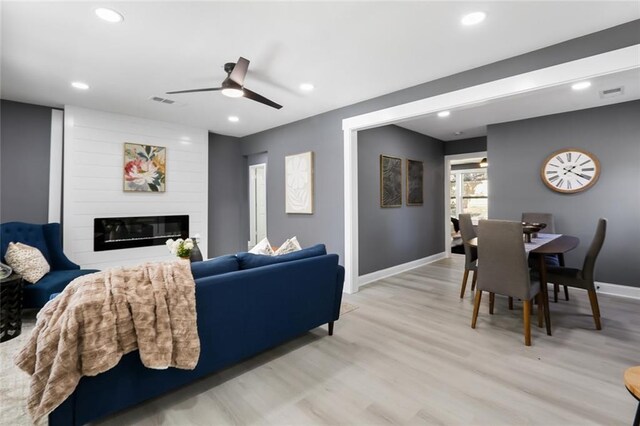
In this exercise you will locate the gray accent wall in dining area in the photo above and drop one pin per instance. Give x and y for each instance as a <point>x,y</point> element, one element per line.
<point>516,151</point>
<point>395,235</point>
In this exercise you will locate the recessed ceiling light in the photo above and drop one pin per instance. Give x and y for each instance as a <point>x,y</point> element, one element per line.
<point>109,15</point>
<point>233,119</point>
<point>581,85</point>
<point>458,133</point>
<point>306,87</point>
<point>473,18</point>
<point>442,114</point>
<point>80,85</point>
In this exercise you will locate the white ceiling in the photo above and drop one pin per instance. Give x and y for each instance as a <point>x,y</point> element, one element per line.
<point>473,120</point>
<point>350,51</point>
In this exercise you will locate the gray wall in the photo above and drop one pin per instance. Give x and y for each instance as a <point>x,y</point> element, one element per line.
<point>25,139</point>
<point>392,236</point>
<point>464,146</point>
<point>612,133</point>
<point>226,193</point>
<point>323,134</point>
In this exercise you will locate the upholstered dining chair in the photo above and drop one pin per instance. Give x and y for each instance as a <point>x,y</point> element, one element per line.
<point>583,278</point>
<point>550,260</point>
<point>503,269</point>
<point>468,232</point>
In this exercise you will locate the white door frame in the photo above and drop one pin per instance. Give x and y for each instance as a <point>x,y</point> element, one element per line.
<point>252,201</point>
<point>606,63</point>
<point>447,188</point>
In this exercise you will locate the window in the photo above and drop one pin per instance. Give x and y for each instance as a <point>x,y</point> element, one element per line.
<point>469,193</point>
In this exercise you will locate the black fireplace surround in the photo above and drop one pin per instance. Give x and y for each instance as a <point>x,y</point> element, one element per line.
<point>114,233</point>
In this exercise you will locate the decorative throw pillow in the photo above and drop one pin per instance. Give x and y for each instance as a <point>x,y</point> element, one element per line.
<point>249,261</point>
<point>27,261</point>
<point>263,247</point>
<point>288,246</point>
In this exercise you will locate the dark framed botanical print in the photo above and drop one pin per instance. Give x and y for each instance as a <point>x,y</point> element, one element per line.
<point>390,181</point>
<point>415,185</point>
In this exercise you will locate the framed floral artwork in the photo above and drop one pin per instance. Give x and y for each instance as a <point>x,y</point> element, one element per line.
<point>144,168</point>
<point>299,183</point>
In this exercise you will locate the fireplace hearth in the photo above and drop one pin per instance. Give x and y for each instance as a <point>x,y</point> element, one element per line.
<point>115,233</point>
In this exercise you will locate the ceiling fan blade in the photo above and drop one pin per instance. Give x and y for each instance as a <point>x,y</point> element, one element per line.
<point>239,71</point>
<point>209,89</point>
<point>259,98</point>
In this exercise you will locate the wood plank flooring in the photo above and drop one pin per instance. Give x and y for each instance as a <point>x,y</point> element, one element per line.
<point>408,356</point>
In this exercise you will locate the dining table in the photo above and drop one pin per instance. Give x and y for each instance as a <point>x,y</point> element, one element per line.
<point>543,245</point>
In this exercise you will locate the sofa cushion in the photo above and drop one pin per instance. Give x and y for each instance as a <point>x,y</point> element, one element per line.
<point>249,261</point>
<point>26,233</point>
<point>36,295</point>
<point>215,266</point>
<point>27,261</point>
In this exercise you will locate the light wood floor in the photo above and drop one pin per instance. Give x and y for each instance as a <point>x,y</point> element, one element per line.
<point>408,355</point>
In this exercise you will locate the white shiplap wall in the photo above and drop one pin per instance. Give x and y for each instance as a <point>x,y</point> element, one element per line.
<point>93,182</point>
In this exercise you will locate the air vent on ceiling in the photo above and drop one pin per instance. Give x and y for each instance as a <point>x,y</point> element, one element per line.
<point>162,100</point>
<point>609,93</point>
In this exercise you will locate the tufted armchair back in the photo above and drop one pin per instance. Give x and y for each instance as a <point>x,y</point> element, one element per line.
<point>46,238</point>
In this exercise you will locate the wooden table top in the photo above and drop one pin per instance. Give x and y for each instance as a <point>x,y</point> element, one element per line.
<point>632,380</point>
<point>562,244</point>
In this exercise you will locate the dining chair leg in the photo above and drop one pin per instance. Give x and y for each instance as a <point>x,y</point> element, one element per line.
<point>556,290</point>
<point>476,308</point>
<point>474,279</point>
<point>464,282</point>
<point>510,303</point>
<point>566,293</point>
<point>542,267</point>
<point>526,313</point>
<point>593,298</point>
<point>492,302</point>
<point>540,309</point>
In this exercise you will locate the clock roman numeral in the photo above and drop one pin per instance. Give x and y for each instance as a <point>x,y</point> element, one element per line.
<point>585,162</point>
<point>559,159</point>
<point>568,185</point>
<point>568,157</point>
<point>588,169</point>
<point>554,165</point>
<point>578,158</point>
<point>583,176</point>
<point>551,179</point>
<point>560,182</point>
<point>552,172</point>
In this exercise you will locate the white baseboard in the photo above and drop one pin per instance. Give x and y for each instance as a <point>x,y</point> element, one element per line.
<point>618,290</point>
<point>394,270</point>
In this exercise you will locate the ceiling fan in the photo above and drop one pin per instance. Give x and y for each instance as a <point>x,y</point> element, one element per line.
<point>233,85</point>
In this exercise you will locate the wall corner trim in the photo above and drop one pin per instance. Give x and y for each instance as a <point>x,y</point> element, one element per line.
<point>618,290</point>
<point>394,270</point>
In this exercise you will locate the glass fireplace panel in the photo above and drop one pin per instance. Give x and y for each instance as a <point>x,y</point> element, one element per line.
<point>114,233</point>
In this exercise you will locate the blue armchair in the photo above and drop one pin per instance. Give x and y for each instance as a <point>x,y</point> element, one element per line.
<point>47,239</point>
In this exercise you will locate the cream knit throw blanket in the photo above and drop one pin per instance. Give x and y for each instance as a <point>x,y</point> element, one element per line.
<point>102,316</point>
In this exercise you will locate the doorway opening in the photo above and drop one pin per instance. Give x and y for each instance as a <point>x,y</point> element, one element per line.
<point>466,191</point>
<point>257,203</point>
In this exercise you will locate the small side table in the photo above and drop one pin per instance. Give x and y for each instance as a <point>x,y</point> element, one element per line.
<point>10,307</point>
<point>632,382</point>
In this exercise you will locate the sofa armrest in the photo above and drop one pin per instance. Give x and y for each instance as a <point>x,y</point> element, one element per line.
<point>53,237</point>
<point>339,288</point>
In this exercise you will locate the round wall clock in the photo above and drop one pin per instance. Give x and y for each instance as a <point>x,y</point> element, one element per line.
<point>570,170</point>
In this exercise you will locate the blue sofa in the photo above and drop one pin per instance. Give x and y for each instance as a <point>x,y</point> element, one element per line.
<point>243,309</point>
<point>47,239</point>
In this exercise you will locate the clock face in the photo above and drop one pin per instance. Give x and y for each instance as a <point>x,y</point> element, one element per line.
<point>570,170</point>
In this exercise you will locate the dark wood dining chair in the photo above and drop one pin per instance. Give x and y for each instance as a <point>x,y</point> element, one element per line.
<point>583,278</point>
<point>468,232</point>
<point>550,260</point>
<point>503,268</point>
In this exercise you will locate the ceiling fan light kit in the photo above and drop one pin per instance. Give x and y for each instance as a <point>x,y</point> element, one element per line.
<point>233,85</point>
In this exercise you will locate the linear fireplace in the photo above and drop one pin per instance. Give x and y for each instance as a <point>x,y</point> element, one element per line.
<point>113,233</point>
